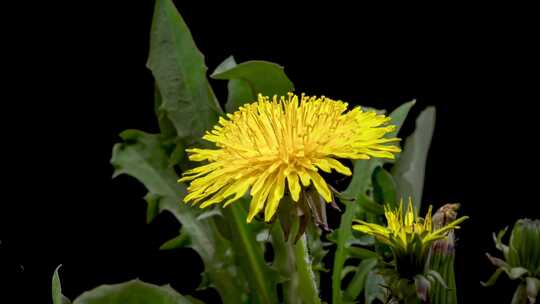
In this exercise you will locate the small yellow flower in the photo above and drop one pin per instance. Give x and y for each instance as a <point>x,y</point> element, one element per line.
<point>270,143</point>
<point>403,230</point>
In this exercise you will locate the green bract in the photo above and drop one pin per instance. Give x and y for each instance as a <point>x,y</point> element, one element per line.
<point>521,259</point>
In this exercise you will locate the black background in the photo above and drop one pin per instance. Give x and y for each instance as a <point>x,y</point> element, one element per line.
<point>76,77</point>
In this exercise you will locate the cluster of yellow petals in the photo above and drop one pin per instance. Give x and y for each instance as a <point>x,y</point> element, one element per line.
<point>402,228</point>
<point>270,144</point>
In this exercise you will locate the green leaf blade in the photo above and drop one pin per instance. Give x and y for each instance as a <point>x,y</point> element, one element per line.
<point>399,115</point>
<point>132,292</point>
<point>180,73</point>
<point>57,296</point>
<point>249,254</point>
<point>250,78</point>
<point>356,286</point>
<point>142,156</point>
<point>409,170</point>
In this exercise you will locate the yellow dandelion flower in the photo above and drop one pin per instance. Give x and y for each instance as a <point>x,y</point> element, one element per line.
<point>269,145</point>
<point>406,231</point>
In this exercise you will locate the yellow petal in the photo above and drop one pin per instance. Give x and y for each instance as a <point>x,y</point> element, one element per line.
<point>320,185</point>
<point>323,164</point>
<point>304,177</point>
<point>275,197</point>
<point>339,167</point>
<point>294,186</point>
<point>257,203</point>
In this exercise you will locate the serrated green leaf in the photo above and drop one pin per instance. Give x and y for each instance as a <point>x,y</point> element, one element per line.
<point>374,287</point>
<point>152,206</point>
<point>180,73</point>
<point>179,241</point>
<point>248,79</point>
<point>346,270</point>
<point>142,156</point>
<point>317,250</point>
<point>360,182</point>
<point>178,155</point>
<point>410,168</point>
<point>357,284</point>
<point>361,253</point>
<point>368,205</point>
<point>132,292</point>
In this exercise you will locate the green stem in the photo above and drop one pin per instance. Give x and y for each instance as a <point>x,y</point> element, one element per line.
<point>307,282</point>
<point>294,263</point>
<point>284,263</point>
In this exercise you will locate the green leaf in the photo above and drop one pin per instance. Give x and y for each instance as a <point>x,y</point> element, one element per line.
<point>356,196</point>
<point>369,205</point>
<point>384,188</point>
<point>344,234</point>
<point>316,249</point>
<point>356,286</point>
<point>360,182</point>
<point>165,124</point>
<point>239,90</point>
<point>262,77</point>
<point>410,168</point>
<point>374,287</point>
<point>142,156</point>
<point>152,206</point>
<point>399,115</point>
<point>363,169</point>
<point>57,296</point>
<point>179,241</point>
<point>180,73</point>
<point>361,253</point>
<point>249,254</point>
<point>132,292</point>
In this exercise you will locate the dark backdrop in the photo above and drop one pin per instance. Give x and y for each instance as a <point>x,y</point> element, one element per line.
<point>77,78</point>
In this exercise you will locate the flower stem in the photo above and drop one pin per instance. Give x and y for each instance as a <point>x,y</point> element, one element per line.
<point>307,282</point>
<point>294,263</point>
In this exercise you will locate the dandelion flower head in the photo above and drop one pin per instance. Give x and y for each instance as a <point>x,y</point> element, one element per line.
<point>276,144</point>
